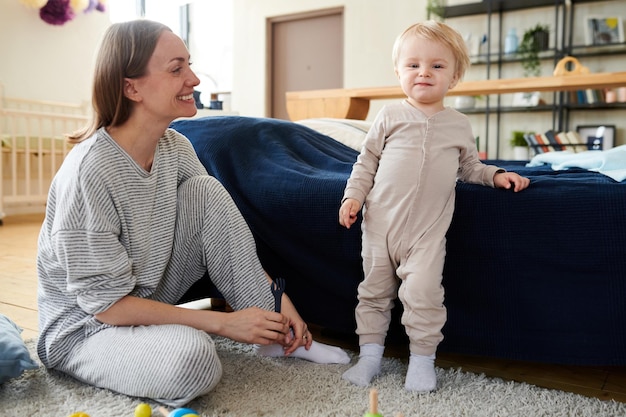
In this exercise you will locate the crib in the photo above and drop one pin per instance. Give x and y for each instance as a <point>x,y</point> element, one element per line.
<point>33,144</point>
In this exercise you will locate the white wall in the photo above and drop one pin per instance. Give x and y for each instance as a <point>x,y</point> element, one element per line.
<point>43,61</point>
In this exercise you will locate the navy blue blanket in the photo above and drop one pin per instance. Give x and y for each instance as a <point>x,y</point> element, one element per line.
<point>538,275</point>
<point>288,181</point>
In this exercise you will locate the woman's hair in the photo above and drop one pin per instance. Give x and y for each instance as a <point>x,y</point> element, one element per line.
<point>438,32</point>
<point>124,53</point>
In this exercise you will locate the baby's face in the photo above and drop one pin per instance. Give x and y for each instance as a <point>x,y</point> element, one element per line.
<point>426,70</point>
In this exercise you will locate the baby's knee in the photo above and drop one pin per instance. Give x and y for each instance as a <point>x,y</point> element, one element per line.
<point>422,292</point>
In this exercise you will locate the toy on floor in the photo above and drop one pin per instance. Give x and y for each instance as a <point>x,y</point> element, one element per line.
<point>79,414</point>
<point>179,412</point>
<point>143,410</point>
<point>373,412</point>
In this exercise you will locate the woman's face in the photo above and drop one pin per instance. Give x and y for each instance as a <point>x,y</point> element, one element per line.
<point>166,91</point>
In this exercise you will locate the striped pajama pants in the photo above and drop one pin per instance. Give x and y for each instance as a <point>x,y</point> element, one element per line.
<point>174,363</point>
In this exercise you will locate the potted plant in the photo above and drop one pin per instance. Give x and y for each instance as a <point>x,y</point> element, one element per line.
<point>436,8</point>
<point>520,146</point>
<point>535,40</point>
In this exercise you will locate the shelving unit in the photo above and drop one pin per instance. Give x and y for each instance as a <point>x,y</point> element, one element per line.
<point>493,6</point>
<point>494,60</point>
<point>580,51</point>
<point>354,103</point>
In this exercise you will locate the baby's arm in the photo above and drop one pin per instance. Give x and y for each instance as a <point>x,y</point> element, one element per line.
<point>348,212</point>
<point>507,180</point>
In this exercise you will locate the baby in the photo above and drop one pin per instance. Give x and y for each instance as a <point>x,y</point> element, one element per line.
<point>405,176</point>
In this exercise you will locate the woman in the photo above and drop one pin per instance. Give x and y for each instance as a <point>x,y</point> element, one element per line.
<point>132,221</point>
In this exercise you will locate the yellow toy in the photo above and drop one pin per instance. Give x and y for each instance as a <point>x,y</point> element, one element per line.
<point>143,410</point>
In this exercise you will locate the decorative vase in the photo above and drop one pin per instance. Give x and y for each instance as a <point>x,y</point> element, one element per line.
<point>196,98</point>
<point>520,153</point>
<point>464,102</point>
<point>510,42</point>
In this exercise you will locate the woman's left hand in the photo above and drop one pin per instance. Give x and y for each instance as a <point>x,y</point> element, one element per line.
<point>301,334</point>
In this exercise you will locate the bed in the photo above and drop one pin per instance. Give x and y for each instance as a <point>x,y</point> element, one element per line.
<point>536,276</point>
<point>32,147</point>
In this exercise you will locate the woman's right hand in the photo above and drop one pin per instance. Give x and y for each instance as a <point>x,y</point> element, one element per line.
<point>255,326</point>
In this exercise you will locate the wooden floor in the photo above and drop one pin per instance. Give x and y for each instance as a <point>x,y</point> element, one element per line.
<point>18,300</point>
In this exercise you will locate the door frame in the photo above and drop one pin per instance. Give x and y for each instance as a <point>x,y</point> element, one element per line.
<point>269,47</point>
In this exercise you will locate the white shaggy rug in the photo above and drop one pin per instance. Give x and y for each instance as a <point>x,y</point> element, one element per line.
<point>255,386</point>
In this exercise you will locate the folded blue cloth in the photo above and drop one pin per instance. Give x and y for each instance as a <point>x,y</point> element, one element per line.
<point>611,162</point>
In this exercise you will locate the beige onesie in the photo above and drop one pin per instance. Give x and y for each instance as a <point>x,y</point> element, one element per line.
<point>406,175</point>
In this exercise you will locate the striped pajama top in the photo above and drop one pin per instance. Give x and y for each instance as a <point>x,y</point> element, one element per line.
<point>108,232</point>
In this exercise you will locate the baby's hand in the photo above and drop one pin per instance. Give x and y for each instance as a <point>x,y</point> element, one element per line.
<point>348,212</point>
<point>507,180</point>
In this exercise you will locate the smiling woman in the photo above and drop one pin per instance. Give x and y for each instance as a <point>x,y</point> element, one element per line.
<point>132,222</point>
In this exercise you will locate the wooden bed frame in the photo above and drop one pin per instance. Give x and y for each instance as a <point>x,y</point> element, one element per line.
<point>354,103</point>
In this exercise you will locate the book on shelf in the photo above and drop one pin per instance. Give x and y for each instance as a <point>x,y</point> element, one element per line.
<point>587,96</point>
<point>578,144</point>
<point>552,141</point>
<point>529,137</point>
<point>562,138</point>
<point>543,139</point>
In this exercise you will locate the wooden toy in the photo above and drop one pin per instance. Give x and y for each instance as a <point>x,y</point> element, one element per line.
<point>373,412</point>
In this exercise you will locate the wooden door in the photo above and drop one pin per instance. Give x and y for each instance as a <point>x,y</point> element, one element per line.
<point>305,53</point>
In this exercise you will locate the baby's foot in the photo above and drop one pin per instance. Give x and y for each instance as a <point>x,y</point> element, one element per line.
<point>367,367</point>
<point>421,375</point>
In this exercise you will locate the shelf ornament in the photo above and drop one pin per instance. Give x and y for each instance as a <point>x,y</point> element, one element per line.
<point>561,67</point>
<point>59,12</point>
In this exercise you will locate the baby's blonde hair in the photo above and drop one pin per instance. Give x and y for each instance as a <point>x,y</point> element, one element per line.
<point>438,32</point>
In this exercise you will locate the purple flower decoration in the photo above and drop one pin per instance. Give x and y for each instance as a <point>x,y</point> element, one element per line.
<point>92,5</point>
<point>56,12</point>
<point>98,5</point>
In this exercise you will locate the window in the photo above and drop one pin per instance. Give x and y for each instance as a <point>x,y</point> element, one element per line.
<point>174,14</point>
<point>206,26</point>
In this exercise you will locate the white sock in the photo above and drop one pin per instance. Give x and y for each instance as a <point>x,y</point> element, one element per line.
<point>367,367</point>
<point>421,375</point>
<point>318,353</point>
